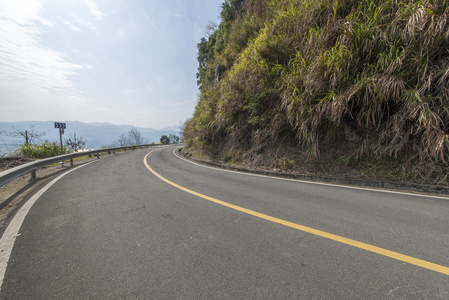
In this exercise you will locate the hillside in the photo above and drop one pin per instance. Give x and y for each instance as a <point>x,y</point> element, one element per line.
<point>343,86</point>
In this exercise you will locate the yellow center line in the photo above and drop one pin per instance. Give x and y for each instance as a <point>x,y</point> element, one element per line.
<point>395,255</point>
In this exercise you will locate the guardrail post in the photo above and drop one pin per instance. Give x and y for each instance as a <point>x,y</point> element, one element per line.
<point>71,162</point>
<point>33,174</point>
<point>98,155</point>
<point>114,152</point>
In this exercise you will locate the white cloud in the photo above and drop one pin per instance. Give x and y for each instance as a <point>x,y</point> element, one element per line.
<point>32,75</point>
<point>72,27</point>
<point>20,11</point>
<point>87,24</point>
<point>93,9</point>
<point>24,60</point>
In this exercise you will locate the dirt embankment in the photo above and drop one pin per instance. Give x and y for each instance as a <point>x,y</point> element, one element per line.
<point>11,162</point>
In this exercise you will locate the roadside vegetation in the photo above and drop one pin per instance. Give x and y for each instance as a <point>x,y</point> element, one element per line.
<point>42,150</point>
<point>327,85</point>
<point>170,139</point>
<point>34,147</point>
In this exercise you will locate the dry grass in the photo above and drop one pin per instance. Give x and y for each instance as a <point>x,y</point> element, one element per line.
<point>378,70</point>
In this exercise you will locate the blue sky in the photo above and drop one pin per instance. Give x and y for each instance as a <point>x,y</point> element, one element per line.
<point>127,62</point>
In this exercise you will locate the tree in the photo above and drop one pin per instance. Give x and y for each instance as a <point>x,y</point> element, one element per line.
<point>174,139</point>
<point>132,138</point>
<point>31,135</point>
<point>75,142</point>
<point>165,139</point>
<point>215,43</point>
<point>230,9</point>
<point>135,137</point>
<point>123,140</point>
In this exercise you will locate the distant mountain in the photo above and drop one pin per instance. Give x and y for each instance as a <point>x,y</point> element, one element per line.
<point>96,135</point>
<point>171,128</point>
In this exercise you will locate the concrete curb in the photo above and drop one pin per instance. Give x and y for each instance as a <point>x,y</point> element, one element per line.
<point>391,185</point>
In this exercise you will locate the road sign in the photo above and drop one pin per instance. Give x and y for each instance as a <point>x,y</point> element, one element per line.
<point>60,125</point>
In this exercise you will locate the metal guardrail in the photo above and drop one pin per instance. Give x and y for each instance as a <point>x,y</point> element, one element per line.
<point>11,174</point>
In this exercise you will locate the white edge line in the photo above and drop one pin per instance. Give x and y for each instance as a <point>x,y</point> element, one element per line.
<point>12,231</point>
<point>315,182</point>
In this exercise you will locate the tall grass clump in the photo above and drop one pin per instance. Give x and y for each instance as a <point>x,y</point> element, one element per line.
<point>367,78</point>
<point>44,150</point>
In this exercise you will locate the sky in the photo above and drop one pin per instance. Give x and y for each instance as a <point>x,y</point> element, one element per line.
<point>126,62</point>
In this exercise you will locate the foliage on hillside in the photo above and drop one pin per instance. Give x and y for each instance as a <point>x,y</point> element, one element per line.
<point>347,80</point>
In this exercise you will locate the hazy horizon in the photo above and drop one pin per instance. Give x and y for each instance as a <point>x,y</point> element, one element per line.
<point>123,62</point>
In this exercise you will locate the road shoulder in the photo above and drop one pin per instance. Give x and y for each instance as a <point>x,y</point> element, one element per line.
<point>358,182</point>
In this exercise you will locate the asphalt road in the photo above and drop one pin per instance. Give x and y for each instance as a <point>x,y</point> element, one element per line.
<point>114,230</point>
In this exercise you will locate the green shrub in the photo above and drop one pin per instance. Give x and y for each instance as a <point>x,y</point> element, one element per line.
<point>45,150</point>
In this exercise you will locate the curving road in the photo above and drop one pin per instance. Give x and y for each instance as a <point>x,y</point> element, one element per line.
<point>153,226</point>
